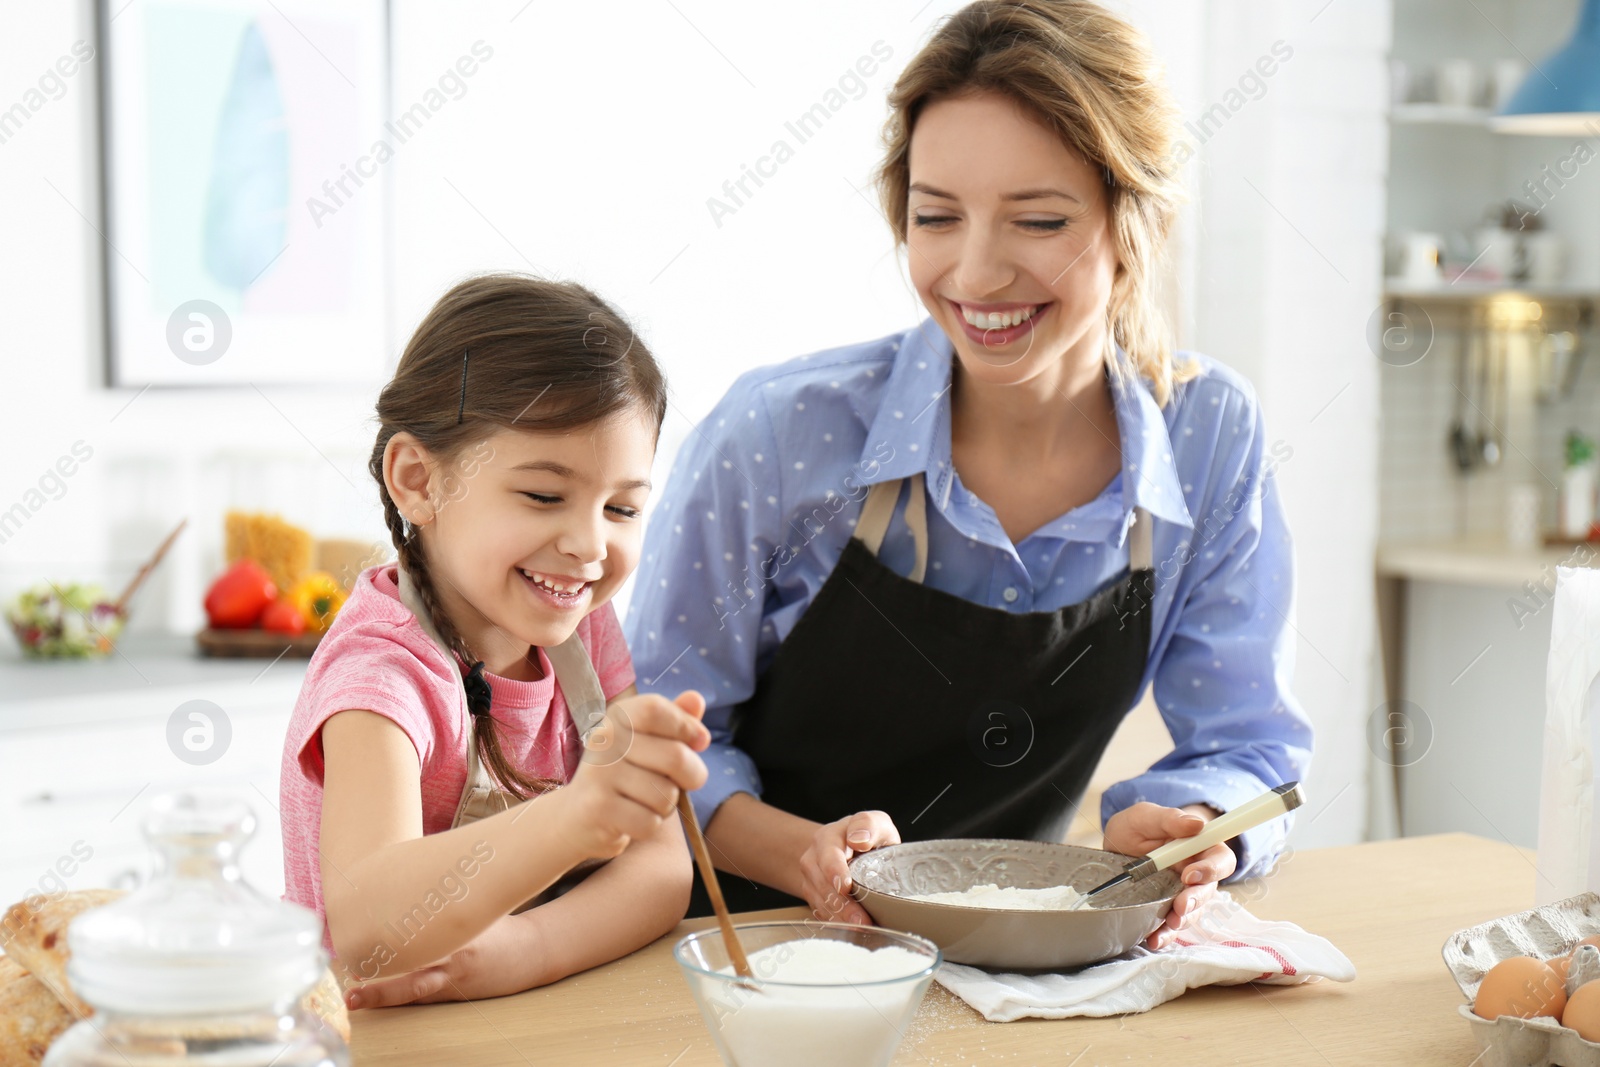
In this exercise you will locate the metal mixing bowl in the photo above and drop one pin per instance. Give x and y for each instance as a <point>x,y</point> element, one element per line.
<point>1007,939</point>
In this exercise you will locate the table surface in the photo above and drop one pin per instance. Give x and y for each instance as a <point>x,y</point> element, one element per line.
<point>1387,905</point>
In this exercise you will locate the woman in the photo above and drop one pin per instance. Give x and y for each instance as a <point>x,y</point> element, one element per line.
<point>921,580</point>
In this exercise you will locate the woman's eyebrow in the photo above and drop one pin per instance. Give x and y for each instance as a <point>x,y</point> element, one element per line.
<point>1023,194</point>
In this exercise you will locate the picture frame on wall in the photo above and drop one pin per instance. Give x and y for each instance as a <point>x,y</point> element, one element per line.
<point>244,194</point>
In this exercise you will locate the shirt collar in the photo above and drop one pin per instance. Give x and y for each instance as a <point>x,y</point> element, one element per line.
<point>914,421</point>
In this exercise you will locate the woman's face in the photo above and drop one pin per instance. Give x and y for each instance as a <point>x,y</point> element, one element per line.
<point>1009,238</point>
<point>532,531</point>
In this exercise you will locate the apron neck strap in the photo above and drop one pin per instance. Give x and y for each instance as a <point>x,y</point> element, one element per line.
<point>569,662</point>
<point>873,522</point>
<point>1139,556</point>
<point>878,509</point>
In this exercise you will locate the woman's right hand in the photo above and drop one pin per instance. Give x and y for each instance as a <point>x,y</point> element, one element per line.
<point>825,870</point>
<point>634,763</point>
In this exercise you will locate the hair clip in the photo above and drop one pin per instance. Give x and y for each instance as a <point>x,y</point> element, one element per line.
<point>461,407</point>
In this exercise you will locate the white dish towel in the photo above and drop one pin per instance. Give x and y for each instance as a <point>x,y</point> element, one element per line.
<point>1223,944</point>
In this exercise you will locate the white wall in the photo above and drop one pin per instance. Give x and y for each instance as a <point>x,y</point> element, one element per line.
<point>569,168</point>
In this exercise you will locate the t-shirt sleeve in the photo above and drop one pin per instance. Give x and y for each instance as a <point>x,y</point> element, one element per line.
<point>608,650</point>
<point>365,669</point>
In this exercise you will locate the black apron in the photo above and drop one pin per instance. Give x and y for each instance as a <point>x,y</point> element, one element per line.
<point>954,718</point>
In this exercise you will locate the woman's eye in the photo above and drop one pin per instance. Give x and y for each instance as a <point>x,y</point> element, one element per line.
<point>627,513</point>
<point>541,498</point>
<point>1045,225</point>
<point>932,220</point>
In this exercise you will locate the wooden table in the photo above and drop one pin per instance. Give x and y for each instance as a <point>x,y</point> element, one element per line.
<point>1389,906</point>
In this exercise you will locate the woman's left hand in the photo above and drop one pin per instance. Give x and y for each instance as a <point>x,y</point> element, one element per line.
<point>1136,830</point>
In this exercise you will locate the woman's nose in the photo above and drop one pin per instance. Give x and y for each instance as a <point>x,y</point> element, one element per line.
<point>983,266</point>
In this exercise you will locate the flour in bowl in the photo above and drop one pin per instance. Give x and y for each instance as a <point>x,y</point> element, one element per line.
<point>1010,898</point>
<point>841,1004</point>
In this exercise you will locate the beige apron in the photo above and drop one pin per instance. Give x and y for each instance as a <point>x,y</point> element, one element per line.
<point>574,676</point>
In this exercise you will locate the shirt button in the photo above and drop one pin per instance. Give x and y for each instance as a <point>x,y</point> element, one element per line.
<point>1010,595</point>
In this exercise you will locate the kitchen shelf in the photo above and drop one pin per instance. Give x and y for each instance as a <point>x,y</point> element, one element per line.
<point>1476,562</point>
<point>1465,292</point>
<point>1439,115</point>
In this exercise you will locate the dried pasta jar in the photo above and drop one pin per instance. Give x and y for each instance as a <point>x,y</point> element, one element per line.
<point>196,967</point>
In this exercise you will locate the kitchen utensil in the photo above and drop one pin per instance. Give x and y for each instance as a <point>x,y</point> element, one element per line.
<point>708,873</point>
<point>885,880</point>
<point>1489,380</point>
<point>1247,816</point>
<point>1559,354</point>
<point>150,565</point>
<point>1546,255</point>
<point>1463,446</point>
<point>1523,504</point>
<point>1419,256</point>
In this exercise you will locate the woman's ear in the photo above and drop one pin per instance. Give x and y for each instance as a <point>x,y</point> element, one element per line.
<point>408,474</point>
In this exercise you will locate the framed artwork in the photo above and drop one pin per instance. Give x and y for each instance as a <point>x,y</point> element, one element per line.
<point>244,196</point>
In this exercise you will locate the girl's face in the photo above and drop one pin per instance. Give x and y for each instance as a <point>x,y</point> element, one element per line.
<point>530,531</point>
<point>1009,237</point>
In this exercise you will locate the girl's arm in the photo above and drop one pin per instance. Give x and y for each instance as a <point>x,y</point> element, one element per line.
<point>621,907</point>
<point>397,900</point>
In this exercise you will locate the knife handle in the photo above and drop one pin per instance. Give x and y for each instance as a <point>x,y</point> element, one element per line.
<point>1246,816</point>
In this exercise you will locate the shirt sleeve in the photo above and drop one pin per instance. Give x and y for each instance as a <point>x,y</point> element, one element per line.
<point>1222,681</point>
<point>367,671</point>
<point>695,620</point>
<point>608,651</point>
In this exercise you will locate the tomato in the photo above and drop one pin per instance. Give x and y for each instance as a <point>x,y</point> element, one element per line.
<point>237,599</point>
<point>283,617</point>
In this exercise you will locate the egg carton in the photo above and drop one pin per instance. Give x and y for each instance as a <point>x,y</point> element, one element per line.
<point>1542,932</point>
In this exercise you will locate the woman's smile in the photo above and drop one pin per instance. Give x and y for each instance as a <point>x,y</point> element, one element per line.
<point>992,325</point>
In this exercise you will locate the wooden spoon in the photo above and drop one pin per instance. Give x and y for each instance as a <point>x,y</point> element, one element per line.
<point>121,605</point>
<point>708,874</point>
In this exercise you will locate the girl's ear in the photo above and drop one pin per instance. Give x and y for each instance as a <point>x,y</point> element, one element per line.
<point>408,474</point>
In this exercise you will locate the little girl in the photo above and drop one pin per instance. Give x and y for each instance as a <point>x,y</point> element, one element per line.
<point>461,686</point>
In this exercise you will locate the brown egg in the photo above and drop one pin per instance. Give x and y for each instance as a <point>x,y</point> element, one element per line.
<point>1595,941</point>
<point>1582,1012</point>
<point>1520,986</point>
<point>1560,965</point>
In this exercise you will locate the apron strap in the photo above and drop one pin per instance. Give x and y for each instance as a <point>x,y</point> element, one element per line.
<point>579,683</point>
<point>873,522</point>
<point>1139,553</point>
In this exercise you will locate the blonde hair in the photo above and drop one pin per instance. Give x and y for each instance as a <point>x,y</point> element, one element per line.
<point>1090,77</point>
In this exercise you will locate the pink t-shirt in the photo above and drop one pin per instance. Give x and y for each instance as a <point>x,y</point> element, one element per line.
<point>377,658</point>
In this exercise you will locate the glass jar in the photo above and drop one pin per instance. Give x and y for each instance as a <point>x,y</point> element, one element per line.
<point>197,967</point>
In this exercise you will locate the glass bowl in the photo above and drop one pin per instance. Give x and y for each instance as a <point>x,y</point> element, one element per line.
<point>797,1020</point>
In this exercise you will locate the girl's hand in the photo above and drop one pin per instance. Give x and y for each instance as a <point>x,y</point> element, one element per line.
<point>460,976</point>
<point>1136,830</point>
<point>824,869</point>
<point>634,763</point>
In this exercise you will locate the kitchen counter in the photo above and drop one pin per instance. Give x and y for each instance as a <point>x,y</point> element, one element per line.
<point>1388,905</point>
<point>1481,562</point>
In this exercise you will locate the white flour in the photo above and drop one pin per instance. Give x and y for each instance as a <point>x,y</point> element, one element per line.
<point>1053,898</point>
<point>837,1021</point>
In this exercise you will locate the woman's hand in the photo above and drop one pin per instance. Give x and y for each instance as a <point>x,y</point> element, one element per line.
<point>634,763</point>
<point>1136,830</point>
<point>824,866</point>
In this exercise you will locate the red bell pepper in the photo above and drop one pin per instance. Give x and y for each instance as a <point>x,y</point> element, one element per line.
<point>238,598</point>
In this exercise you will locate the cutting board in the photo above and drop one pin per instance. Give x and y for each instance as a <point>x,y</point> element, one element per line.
<point>255,644</point>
